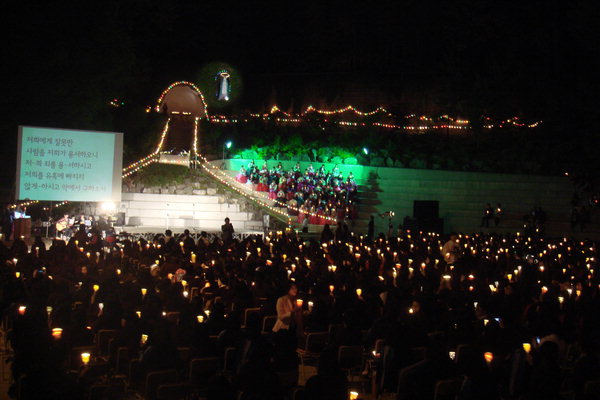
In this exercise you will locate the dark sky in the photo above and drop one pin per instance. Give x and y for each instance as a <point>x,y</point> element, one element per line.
<point>539,59</point>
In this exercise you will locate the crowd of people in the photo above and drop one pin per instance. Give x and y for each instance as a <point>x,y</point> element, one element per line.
<point>512,316</point>
<point>315,195</point>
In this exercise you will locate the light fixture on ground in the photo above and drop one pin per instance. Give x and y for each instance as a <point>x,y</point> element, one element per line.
<point>227,145</point>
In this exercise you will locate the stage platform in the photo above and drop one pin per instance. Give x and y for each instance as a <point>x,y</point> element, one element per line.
<point>158,212</point>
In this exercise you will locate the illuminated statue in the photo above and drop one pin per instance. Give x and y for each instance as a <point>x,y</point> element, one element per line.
<point>223,86</point>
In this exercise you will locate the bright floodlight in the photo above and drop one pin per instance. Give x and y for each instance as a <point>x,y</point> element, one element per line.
<point>228,144</point>
<point>108,206</point>
<point>365,150</point>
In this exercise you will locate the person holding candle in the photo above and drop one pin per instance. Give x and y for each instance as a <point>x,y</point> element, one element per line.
<point>287,308</point>
<point>451,250</point>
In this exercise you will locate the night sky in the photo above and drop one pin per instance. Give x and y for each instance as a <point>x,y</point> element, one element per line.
<point>538,59</point>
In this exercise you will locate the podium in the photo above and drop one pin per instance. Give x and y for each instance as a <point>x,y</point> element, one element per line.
<point>22,227</point>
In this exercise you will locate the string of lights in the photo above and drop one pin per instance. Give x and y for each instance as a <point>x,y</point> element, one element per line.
<point>443,121</point>
<point>195,144</point>
<point>24,204</point>
<point>310,108</point>
<point>162,137</point>
<point>150,159</point>
<point>181,83</point>
<point>514,121</point>
<point>31,202</point>
<point>139,162</point>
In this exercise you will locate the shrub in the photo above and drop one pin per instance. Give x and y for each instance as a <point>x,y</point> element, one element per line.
<point>163,174</point>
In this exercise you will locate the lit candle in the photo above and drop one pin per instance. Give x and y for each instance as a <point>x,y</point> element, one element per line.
<point>200,318</point>
<point>310,305</point>
<point>17,274</point>
<point>85,358</point>
<point>144,291</point>
<point>353,395</point>
<point>358,292</point>
<point>57,333</point>
<point>331,288</point>
<point>185,294</point>
<point>96,288</point>
<point>193,258</point>
<point>139,314</point>
<point>144,338</point>
<point>527,347</point>
<point>22,310</point>
<point>118,271</point>
<point>299,302</point>
<point>489,357</point>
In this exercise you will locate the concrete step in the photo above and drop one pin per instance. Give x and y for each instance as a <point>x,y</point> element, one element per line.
<point>171,198</point>
<point>183,206</point>
<point>132,212</point>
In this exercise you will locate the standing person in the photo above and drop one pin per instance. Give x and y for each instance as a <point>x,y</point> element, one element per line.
<point>286,307</point>
<point>326,234</point>
<point>488,214</point>
<point>7,222</point>
<point>227,231</point>
<point>451,250</point>
<point>498,215</point>
<point>305,225</point>
<point>371,229</point>
<point>63,226</point>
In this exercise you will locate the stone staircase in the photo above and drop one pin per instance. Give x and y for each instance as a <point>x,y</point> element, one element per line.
<point>198,203</point>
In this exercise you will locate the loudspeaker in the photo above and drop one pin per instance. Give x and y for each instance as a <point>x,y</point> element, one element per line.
<point>426,209</point>
<point>410,224</point>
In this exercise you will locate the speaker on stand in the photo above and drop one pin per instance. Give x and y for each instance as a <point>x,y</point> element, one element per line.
<point>426,216</point>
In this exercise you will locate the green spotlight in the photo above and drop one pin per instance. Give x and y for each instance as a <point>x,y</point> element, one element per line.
<point>228,144</point>
<point>366,151</point>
